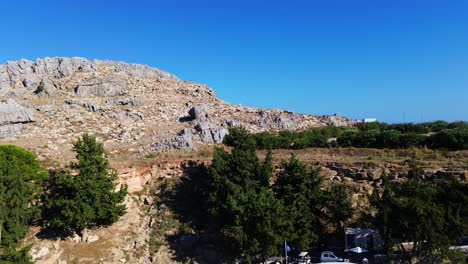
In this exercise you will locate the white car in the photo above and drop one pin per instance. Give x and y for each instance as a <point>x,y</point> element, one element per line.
<point>328,256</point>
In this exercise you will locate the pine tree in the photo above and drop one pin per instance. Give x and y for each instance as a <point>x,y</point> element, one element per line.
<point>299,188</point>
<point>21,177</point>
<point>248,217</point>
<point>428,214</point>
<point>339,206</point>
<point>88,199</point>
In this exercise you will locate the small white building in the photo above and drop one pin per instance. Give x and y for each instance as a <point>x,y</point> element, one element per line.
<point>369,120</point>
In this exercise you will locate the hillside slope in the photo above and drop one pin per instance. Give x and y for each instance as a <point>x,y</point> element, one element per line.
<point>48,102</point>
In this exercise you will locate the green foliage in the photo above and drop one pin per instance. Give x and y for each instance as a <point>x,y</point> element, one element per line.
<point>250,215</point>
<point>314,137</point>
<point>21,177</point>
<point>339,206</point>
<point>151,156</point>
<point>455,139</point>
<point>76,202</point>
<point>432,215</point>
<point>11,256</point>
<point>299,189</point>
<point>244,210</point>
<point>453,136</point>
<point>39,89</point>
<point>456,257</point>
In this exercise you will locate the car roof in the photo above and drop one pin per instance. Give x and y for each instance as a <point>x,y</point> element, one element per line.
<point>327,252</point>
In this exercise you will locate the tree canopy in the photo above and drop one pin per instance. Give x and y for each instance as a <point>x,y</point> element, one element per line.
<point>245,211</point>
<point>21,178</point>
<point>87,197</point>
<point>430,215</point>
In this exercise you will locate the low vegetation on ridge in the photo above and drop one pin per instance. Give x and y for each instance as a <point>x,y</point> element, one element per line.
<point>435,135</point>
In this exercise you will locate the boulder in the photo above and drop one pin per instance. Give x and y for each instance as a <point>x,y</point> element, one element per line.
<point>206,136</point>
<point>124,101</point>
<point>199,113</point>
<point>76,238</point>
<point>42,252</point>
<point>219,134</point>
<point>101,87</point>
<point>202,126</point>
<point>90,106</point>
<point>92,238</point>
<point>45,89</point>
<point>186,132</point>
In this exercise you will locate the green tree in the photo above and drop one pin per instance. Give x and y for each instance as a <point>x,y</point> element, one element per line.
<point>385,202</point>
<point>245,212</point>
<point>88,199</point>
<point>299,188</point>
<point>339,206</point>
<point>11,256</point>
<point>422,213</point>
<point>21,177</point>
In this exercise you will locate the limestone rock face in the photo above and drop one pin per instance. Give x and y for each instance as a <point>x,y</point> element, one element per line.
<point>12,118</point>
<point>30,73</point>
<point>101,87</point>
<point>275,120</point>
<point>13,113</point>
<point>178,143</point>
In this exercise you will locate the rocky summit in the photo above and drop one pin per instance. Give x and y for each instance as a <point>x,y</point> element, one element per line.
<point>48,102</point>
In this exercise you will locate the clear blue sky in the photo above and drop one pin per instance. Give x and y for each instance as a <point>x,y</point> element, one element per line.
<point>375,58</point>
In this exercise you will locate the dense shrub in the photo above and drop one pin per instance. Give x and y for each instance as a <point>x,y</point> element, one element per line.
<point>438,134</point>
<point>455,139</point>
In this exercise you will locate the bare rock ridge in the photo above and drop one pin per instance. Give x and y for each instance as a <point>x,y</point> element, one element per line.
<point>55,99</point>
<point>31,73</point>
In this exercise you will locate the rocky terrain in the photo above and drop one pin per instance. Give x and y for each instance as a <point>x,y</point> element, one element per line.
<point>48,102</point>
<point>155,127</point>
<point>136,111</point>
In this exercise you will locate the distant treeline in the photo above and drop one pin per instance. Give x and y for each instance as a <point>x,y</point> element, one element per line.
<point>438,134</point>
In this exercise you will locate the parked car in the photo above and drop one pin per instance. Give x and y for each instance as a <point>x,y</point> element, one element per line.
<point>328,256</point>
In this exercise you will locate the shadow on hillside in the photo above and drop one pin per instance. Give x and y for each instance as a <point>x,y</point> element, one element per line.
<point>49,233</point>
<point>194,241</point>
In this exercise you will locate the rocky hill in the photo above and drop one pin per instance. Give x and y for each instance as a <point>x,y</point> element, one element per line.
<point>136,110</point>
<point>48,102</point>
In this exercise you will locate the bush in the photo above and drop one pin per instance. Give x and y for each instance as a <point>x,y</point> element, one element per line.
<point>368,135</point>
